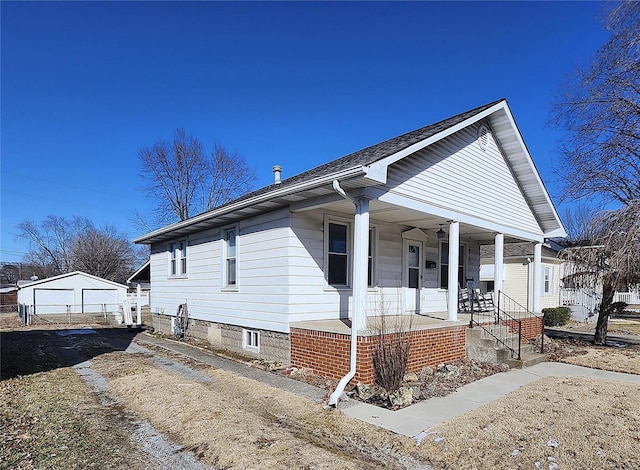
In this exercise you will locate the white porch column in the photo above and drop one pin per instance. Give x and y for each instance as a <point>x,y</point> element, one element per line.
<point>360,264</point>
<point>498,263</point>
<point>138,306</point>
<point>454,250</point>
<point>537,276</point>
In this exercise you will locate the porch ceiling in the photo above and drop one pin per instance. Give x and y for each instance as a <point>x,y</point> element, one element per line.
<point>393,214</point>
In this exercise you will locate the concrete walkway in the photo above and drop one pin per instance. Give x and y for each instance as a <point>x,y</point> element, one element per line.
<point>413,420</point>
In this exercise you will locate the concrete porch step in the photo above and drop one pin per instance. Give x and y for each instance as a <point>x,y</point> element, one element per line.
<point>527,360</point>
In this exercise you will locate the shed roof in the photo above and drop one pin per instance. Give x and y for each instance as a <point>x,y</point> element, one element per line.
<point>74,273</point>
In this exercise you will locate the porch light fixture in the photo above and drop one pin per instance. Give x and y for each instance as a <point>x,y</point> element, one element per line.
<point>440,233</point>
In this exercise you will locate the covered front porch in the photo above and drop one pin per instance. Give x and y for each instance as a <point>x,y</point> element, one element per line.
<point>434,339</point>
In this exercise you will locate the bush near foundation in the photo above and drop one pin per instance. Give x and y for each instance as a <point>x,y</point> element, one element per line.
<point>556,316</point>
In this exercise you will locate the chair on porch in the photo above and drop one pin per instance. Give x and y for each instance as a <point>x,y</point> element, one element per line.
<point>464,303</point>
<point>484,302</point>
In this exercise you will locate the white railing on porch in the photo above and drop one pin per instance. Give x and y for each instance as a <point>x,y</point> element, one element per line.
<point>630,298</point>
<point>132,297</point>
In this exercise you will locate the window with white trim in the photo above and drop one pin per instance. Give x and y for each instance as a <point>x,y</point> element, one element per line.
<point>251,339</point>
<point>548,276</point>
<point>230,257</point>
<point>338,244</point>
<point>338,254</point>
<point>178,258</point>
<point>371,266</point>
<point>444,265</point>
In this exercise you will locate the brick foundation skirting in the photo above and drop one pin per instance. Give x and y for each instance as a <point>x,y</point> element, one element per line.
<point>531,327</point>
<point>328,353</point>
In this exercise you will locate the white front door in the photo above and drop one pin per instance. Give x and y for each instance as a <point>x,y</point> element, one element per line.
<point>412,274</point>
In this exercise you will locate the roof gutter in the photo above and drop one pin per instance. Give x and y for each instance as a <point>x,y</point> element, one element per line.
<point>275,193</point>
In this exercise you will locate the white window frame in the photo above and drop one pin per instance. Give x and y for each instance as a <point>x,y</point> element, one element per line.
<point>547,280</point>
<point>225,258</point>
<point>251,339</point>
<point>349,251</point>
<point>178,258</point>
<point>373,257</point>
<point>464,264</point>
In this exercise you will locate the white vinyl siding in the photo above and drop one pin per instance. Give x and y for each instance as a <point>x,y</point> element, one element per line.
<point>516,283</point>
<point>260,298</point>
<point>310,300</point>
<point>457,175</point>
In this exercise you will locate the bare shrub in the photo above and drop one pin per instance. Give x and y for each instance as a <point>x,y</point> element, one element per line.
<point>392,344</point>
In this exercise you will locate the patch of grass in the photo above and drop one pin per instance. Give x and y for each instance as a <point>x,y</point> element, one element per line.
<point>593,422</point>
<point>235,422</point>
<point>625,360</point>
<point>53,420</point>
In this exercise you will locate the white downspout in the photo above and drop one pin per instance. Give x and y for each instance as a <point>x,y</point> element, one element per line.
<point>138,306</point>
<point>361,249</point>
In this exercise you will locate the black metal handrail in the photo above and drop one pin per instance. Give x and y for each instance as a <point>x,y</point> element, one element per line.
<point>506,303</point>
<point>497,316</point>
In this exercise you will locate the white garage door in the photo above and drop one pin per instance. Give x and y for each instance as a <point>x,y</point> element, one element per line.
<point>94,299</point>
<point>49,301</point>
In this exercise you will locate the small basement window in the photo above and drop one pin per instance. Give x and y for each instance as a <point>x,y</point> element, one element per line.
<point>251,339</point>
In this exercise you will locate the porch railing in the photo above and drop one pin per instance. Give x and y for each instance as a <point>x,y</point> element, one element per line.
<point>502,320</point>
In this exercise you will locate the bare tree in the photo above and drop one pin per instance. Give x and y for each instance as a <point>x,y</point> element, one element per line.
<point>185,180</point>
<point>608,259</point>
<point>60,245</point>
<point>51,241</point>
<point>577,221</point>
<point>600,114</point>
<point>104,253</point>
<point>9,273</point>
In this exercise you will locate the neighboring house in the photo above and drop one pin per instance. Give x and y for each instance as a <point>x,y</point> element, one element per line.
<point>139,283</point>
<point>393,228</point>
<point>8,299</point>
<point>518,273</point>
<point>75,292</point>
<point>141,277</point>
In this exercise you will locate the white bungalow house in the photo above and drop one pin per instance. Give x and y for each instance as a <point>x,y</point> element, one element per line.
<point>394,228</point>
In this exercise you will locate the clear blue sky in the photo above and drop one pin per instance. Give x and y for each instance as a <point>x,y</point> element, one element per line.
<point>85,85</point>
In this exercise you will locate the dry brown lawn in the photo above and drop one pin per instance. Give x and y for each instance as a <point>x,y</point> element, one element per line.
<point>618,360</point>
<point>576,423</point>
<point>235,422</point>
<point>51,419</point>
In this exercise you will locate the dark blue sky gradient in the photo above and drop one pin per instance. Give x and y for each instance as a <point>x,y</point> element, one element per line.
<point>85,85</point>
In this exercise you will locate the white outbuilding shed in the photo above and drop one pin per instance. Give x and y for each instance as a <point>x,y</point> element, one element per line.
<point>75,292</point>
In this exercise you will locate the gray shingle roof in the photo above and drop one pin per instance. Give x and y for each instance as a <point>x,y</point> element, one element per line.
<point>352,163</point>
<point>372,154</point>
<point>513,250</point>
